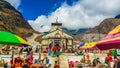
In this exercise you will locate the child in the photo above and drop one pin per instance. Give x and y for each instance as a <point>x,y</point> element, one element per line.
<point>56,65</point>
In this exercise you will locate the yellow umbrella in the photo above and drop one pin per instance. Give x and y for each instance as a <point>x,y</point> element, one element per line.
<point>89,45</point>
<point>115,30</point>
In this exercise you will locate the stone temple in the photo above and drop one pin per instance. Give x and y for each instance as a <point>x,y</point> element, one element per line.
<point>57,35</point>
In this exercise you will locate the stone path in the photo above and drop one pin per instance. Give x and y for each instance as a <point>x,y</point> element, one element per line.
<point>64,61</point>
<point>31,40</point>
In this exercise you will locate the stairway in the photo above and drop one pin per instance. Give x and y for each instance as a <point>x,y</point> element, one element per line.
<point>64,61</point>
<point>52,61</point>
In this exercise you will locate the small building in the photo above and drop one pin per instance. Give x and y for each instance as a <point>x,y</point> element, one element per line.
<point>57,36</point>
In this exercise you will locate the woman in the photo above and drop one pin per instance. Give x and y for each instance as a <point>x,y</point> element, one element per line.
<point>87,56</point>
<point>115,62</point>
<point>21,50</point>
<point>39,58</point>
<point>118,61</point>
<point>31,58</point>
<point>12,62</point>
<point>49,52</point>
<point>84,59</point>
<point>109,59</point>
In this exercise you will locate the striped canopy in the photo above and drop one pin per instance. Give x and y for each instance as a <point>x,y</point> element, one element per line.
<point>111,40</point>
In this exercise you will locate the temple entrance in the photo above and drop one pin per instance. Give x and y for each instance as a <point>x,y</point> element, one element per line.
<point>57,41</point>
<point>57,46</point>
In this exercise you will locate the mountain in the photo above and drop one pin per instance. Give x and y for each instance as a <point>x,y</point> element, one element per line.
<point>105,26</point>
<point>11,20</point>
<point>117,17</point>
<point>74,32</point>
<point>99,31</point>
<point>88,37</point>
<point>79,31</point>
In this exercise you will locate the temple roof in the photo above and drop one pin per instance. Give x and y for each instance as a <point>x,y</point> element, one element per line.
<point>57,34</point>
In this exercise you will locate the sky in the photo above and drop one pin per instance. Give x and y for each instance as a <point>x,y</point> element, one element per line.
<point>73,14</point>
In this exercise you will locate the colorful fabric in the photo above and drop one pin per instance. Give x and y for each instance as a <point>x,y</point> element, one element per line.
<point>82,44</point>
<point>109,59</point>
<point>9,38</point>
<point>49,52</point>
<point>71,64</point>
<point>111,40</point>
<point>113,52</point>
<point>31,58</point>
<point>89,46</point>
<point>18,62</point>
<point>87,56</point>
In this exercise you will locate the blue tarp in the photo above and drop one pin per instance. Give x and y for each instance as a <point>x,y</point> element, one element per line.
<point>82,44</point>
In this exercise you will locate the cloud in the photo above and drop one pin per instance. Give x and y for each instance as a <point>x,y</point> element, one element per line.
<point>82,14</point>
<point>15,3</point>
<point>40,21</point>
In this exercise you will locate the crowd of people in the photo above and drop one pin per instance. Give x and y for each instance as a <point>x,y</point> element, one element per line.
<point>27,61</point>
<point>109,61</point>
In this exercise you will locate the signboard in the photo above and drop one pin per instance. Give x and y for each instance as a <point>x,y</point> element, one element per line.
<point>118,52</point>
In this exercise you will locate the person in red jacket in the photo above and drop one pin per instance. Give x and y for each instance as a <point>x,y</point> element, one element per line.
<point>109,59</point>
<point>55,48</point>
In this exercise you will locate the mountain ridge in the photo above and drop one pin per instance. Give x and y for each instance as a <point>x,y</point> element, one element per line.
<point>105,26</point>
<point>12,21</point>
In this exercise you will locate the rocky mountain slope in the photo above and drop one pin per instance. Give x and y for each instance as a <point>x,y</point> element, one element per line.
<point>105,26</point>
<point>11,20</point>
<point>74,31</point>
<point>96,33</point>
<point>117,17</point>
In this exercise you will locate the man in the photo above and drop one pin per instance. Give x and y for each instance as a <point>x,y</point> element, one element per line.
<point>96,62</point>
<point>57,59</point>
<point>118,61</point>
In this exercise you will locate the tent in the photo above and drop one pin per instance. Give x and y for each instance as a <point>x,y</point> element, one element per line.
<point>111,40</point>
